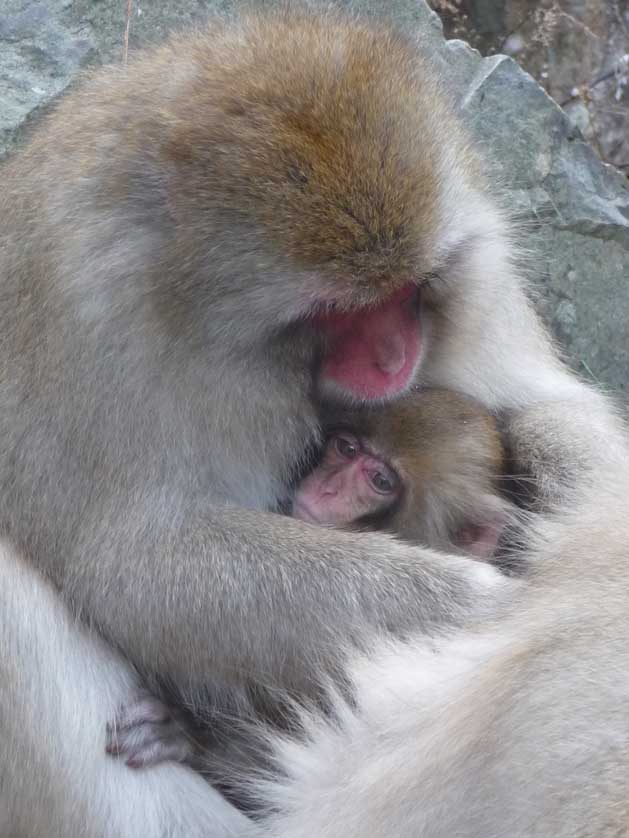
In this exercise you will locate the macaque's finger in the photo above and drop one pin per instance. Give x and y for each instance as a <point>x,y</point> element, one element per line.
<point>145,733</point>
<point>173,748</point>
<point>145,708</point>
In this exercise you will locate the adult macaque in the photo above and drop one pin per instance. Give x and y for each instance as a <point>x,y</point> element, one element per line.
<point>196,250</point>
<point>426,468</point>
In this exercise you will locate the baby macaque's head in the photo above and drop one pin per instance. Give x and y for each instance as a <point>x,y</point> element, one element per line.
<point>425,467</point>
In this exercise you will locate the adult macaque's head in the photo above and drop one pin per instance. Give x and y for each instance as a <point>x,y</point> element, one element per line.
<point>331,195</point>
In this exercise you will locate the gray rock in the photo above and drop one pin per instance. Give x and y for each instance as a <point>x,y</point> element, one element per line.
<point>573,210</point>
<point>39,55</point>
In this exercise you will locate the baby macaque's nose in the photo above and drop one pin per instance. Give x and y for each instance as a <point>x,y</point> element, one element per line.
<point>334,483</point>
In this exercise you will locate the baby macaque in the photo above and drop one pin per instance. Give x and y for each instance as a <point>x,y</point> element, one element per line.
<point>425,468</point>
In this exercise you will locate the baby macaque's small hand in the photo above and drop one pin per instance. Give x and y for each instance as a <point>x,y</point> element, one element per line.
<point>146,733</point>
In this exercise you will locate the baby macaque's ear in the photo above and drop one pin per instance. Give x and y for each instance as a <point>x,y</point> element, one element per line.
<point>481,540</point>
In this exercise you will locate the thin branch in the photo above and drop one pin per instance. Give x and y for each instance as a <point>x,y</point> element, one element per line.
<point>578,23</point>
<point>125,54</point>
<point>604,77</point>
<point>517,28</point>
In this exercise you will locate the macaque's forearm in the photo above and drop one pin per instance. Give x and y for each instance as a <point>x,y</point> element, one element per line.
<point>560,445</point>
<point>244,595</point>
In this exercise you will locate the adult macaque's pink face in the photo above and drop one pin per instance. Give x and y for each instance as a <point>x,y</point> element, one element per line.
<point>350,482</point>
<point>374,353</point>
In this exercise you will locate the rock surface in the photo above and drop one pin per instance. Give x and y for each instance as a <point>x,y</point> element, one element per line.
<point>574,210</point>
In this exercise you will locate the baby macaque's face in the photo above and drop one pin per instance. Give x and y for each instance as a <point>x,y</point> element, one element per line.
<point>350,483</point>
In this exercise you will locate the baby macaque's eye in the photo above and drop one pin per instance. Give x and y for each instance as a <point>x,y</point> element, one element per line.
<point>384,482</point>
<point>346,446</point>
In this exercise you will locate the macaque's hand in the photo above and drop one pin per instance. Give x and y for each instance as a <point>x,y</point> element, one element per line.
<point>146,733</point>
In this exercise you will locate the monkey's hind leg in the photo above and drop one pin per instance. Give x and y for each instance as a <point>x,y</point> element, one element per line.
<point>58,687</point>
